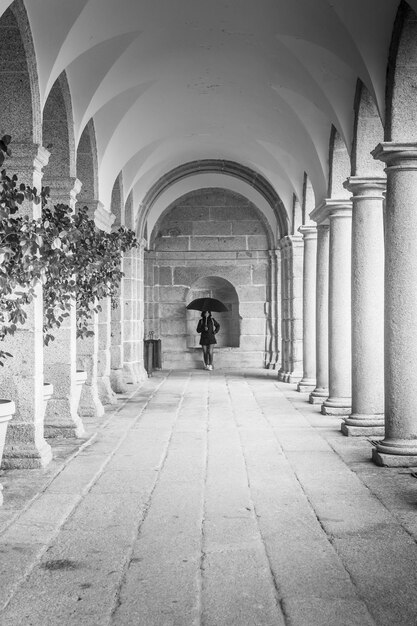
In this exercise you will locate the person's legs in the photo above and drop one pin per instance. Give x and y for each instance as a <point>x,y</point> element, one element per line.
<point>210,354</point>
<point>205,355</point>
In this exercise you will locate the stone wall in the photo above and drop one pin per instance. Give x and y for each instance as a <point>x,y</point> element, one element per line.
<point>210,241</point>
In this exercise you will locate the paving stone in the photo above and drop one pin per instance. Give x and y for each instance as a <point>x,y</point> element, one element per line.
<point>220,499</point>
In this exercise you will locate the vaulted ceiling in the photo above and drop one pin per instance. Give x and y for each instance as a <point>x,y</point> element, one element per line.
<point>168,82</point>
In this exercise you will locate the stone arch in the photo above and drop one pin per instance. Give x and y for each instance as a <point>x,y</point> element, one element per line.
<point>220,173</point>
<point>297,215</point>
<point>58,131</point>
<point>20,102</point>
<point>87,167</point>
<point>368,133</point>
<point>401,104</point>
<point>339,166</point>
<point>129,211</point>
<point>309,199</point>
<point>117,204</point>
<point>213,233</point>
<point>223,290</point>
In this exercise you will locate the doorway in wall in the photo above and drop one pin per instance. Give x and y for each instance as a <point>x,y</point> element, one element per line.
<point>223,290</point>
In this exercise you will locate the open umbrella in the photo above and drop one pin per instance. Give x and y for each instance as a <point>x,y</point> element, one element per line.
<point>207,304</point>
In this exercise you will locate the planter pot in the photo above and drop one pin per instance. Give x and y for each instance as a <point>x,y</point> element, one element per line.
<point>80,379</point>
<point>7,410</point>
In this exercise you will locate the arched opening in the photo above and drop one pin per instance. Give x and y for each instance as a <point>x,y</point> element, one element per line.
<point>212,241</point>
<point>223,290</point>
<point>58,135</point>
<point>19,86</point>
<point>87,167</point>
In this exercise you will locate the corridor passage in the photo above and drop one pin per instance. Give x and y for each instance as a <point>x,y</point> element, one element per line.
<point>214,498</point>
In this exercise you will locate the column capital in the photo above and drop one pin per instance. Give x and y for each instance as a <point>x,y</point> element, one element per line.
<point>369,186</point>
<point>308,231</point>
<point>103,219</point>
<point>340,208</point>
<point>331,207</point>
<point>142,244</point>
<point>28,156</point>
<point>397,155</point>
<point>63,189</point>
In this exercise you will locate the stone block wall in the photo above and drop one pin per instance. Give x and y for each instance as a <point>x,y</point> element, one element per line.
<point>210,242</point>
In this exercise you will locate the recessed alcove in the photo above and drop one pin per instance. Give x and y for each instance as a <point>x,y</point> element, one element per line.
<point>223,290</point>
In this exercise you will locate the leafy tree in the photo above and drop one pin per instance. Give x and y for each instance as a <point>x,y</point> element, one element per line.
<point>64,251</point>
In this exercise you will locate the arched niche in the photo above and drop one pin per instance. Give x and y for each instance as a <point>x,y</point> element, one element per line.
<point>87,170</point>
<point>223,290</point>
<point>368,133</point>
<point>58,132</point>
<point>19,85</point>
<point>117,204</point>
<point>339,166</point>
<point>401,103</point>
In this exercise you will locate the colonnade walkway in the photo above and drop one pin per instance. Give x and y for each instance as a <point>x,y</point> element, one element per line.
<point>211,498</point>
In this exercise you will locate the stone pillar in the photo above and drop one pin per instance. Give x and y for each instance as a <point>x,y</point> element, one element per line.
<point>87,357</point>
<point>88,348</point>
<point>21,379</point>
<point>339,401</point>
<point>367,416</point>
<point>105,392</point>
<point>286,269</point>
<point>272,341</point>
<point>296,309</point>
<point>321,391</point>
<point>61,416</point>
<point>283,372</point>
<point>129,307</point>
<point>399,447</point>
<point>308,382</point>
<point>140,309</point>
<point>117,378</point>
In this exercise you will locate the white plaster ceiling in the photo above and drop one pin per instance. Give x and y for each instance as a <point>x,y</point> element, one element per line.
<point>173,81</point>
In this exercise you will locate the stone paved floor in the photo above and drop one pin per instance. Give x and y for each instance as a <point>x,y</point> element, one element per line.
<point>211,499</point>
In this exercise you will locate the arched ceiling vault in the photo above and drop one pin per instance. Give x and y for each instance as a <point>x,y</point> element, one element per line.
<point>213,173</point>
<point>257,83</point>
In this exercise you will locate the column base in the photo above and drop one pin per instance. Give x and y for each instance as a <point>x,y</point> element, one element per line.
<point>129,373</point>
<point>60,421</point>
<point>393,460</point>
<point>52,431</point>
<point>306,385</point>
<point>395,453</point>
<point>318,395</point>
<point>359,425</point>
<point>337,406</point>
<point>141,373</point>
<point>24,455</point>
<point>117,381</point>
<point>105,392</point>
<point>90,404</point>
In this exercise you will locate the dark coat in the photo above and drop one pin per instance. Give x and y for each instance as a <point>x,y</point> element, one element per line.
<point>207,336</point>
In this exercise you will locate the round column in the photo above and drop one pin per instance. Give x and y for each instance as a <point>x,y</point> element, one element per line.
<point>339,400</point>
<point>367,416</point>
<point>308,382</point>
<point>399,448</point>
<point>321,392</point>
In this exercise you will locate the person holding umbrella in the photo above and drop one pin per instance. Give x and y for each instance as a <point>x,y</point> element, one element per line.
<point>208,327</point>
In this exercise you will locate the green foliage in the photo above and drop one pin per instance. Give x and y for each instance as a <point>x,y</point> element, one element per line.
<point>63,251</point>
